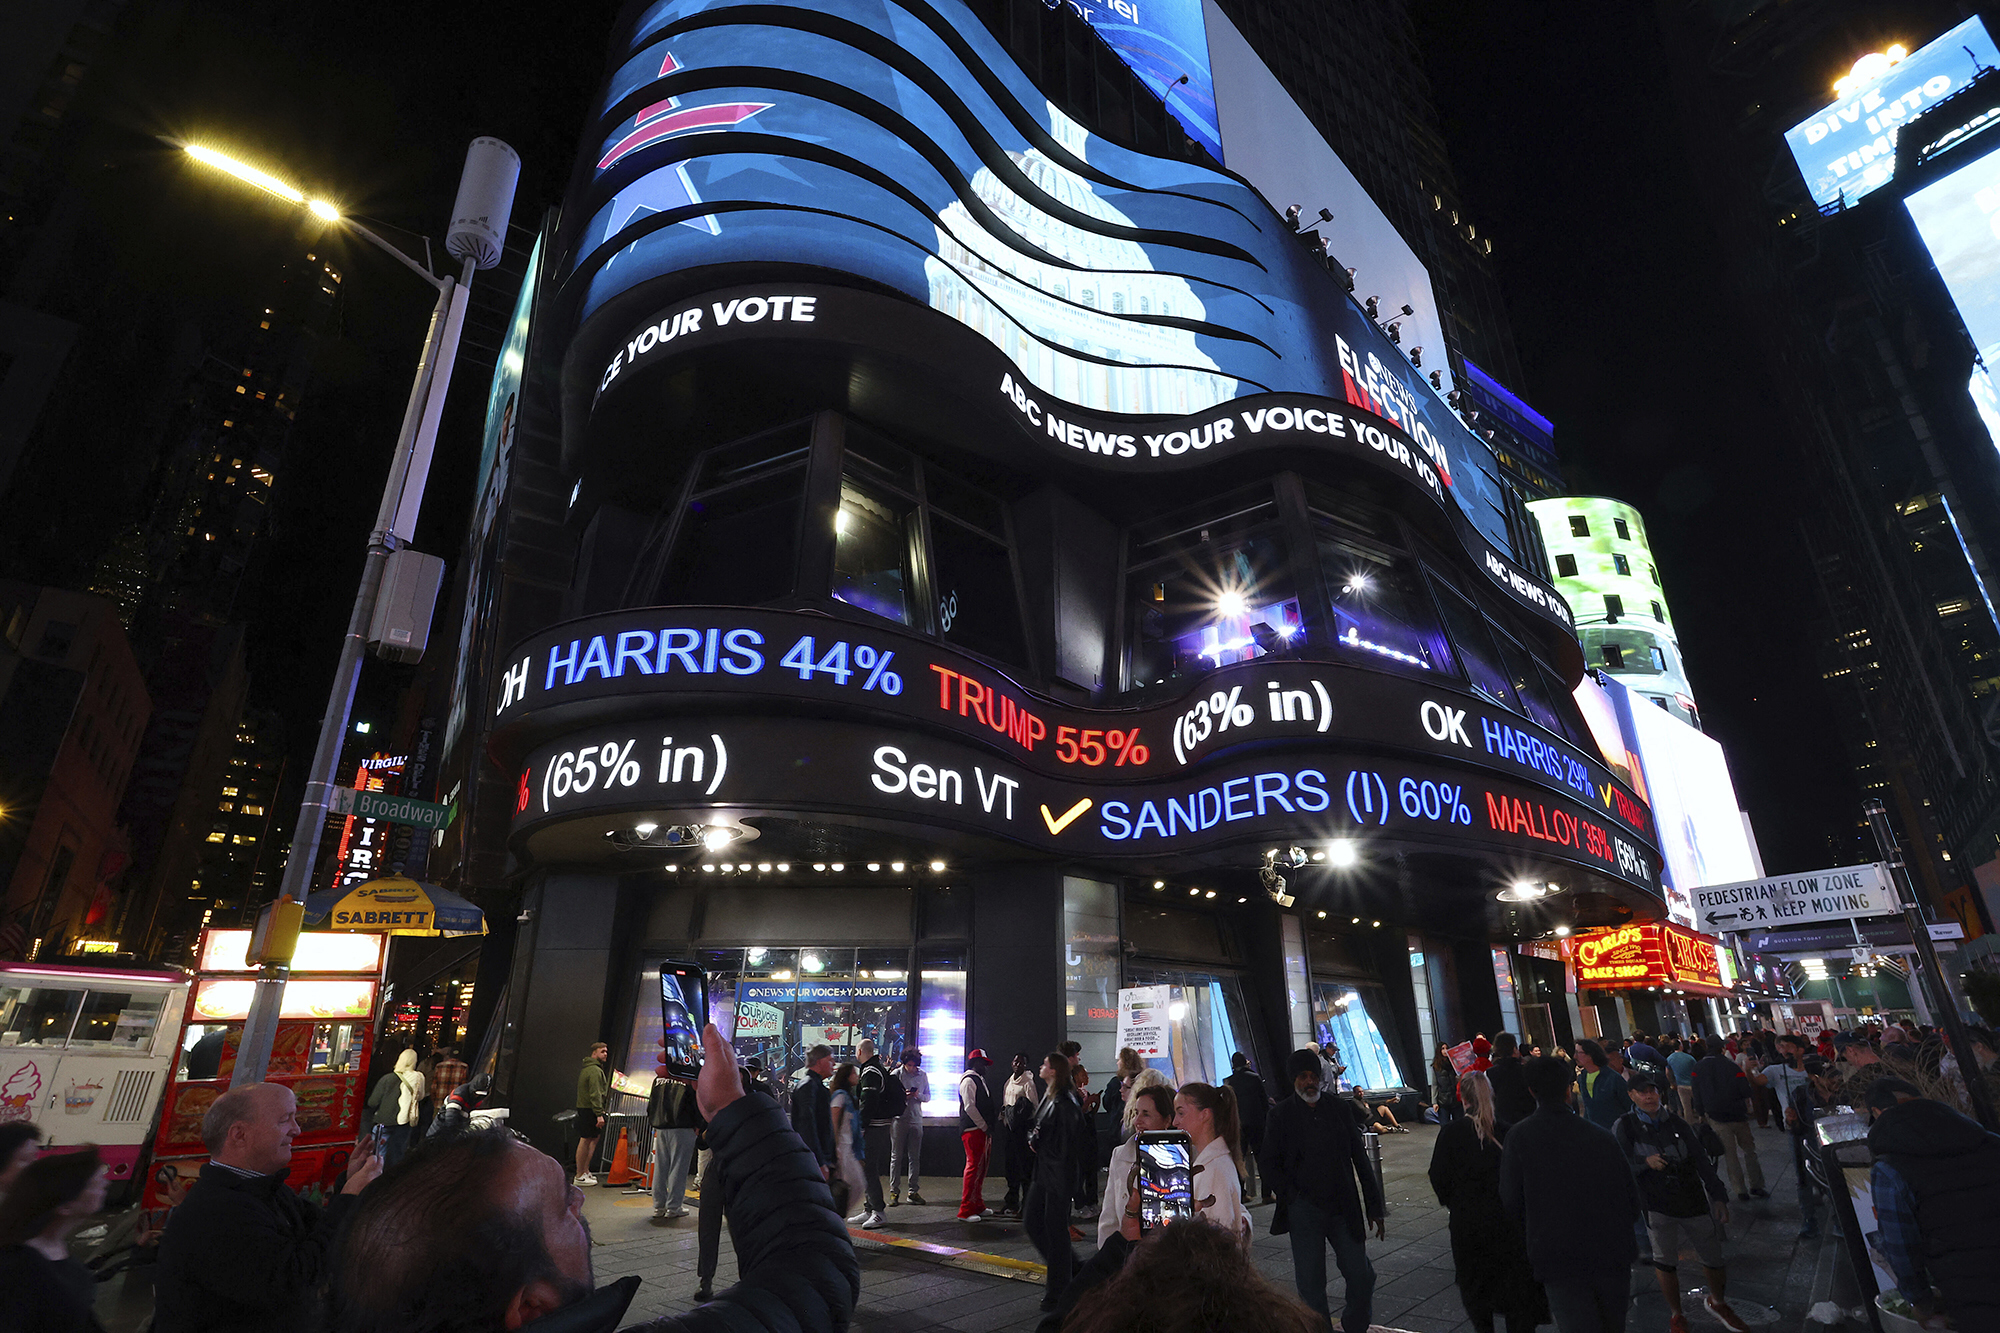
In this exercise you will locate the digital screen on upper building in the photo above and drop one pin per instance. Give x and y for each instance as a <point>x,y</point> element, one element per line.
<point>1162,40</point>
<point>1848,150</point>
<point>1958,218</point>
<point>902,146</point>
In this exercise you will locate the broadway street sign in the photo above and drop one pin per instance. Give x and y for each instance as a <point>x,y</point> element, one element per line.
<point>395,809</point>
<point>1840,894</point>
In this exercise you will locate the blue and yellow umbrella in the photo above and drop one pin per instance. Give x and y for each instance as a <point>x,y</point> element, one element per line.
<point>397,905</point>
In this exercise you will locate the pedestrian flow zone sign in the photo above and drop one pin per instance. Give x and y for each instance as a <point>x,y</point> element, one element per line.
<point>395,809</point>
<point>1840,894</point>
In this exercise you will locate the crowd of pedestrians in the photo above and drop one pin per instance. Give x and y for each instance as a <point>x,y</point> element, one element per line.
<point>1629,1153</point>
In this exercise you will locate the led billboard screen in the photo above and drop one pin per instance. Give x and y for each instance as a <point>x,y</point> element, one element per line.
<point>1849,149</point>
<point>1958,217</point>
<point>1701,832</point>
<point>1273,145</point>
<point>1162,40</point>
<point>900,145</point>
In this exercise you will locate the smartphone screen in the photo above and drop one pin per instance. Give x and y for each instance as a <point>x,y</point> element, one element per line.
<point>1166,1177</point>
<point>683,1010</point>
<point>378,1141</point>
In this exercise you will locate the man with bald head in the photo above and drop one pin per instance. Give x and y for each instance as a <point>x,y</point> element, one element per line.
<point>242,1251</point>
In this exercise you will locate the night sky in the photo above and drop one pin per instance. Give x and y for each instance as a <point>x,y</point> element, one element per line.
<point>1558,121</point>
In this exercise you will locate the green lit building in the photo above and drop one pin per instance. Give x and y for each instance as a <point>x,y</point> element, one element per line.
<point>1598,554</point>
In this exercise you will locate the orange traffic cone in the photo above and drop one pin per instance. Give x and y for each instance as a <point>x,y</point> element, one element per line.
<point>621,1167</point>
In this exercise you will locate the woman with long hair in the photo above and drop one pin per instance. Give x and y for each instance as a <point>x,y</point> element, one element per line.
<point>1491,1258</point>
<point>1057,1138</point>
<point>1207,1114</point>
<point>849,1149</point>
<point>1150,1108</point>
<point>1083,1190</point>
<point>41,1287</point>
<point>1444,1085</point>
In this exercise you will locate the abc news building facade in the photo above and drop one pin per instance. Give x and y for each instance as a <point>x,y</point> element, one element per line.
<point>1020,557</point>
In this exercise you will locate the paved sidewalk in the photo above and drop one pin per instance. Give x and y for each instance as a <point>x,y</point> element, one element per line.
<point>926,1270</point>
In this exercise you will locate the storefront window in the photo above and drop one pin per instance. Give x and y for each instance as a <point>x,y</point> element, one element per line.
<point>1207,587</point>
<point>1420,984</point>
<point>1206,1020</point>
<point>1503,981</point>
<point>1346,1017</point>
<point>775,1004</point>
<point>1091,965</point>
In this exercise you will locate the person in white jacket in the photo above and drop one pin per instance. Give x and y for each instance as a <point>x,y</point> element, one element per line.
<point>1207,1114</point>
<point>1150,1107</point>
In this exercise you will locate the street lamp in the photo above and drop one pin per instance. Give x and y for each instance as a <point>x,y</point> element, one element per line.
<point>475,237</point>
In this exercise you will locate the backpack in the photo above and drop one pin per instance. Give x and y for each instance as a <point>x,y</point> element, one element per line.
<point>892,1100</point>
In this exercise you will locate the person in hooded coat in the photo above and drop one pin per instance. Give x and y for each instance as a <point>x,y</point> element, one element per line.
<point>1936,1190</point>
<point>397,1102</point>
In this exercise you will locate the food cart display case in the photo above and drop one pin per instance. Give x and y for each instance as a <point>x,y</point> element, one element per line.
<point>326,1032</point>
<point>86,1053</point>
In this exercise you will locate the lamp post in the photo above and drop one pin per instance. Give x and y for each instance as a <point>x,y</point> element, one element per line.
<point>476,238</point>
<point>1924,969</point>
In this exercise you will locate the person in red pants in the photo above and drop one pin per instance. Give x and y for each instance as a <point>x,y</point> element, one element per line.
<point>975,1129</point>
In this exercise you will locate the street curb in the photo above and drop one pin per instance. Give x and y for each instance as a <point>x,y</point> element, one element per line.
<point>950,1256</point>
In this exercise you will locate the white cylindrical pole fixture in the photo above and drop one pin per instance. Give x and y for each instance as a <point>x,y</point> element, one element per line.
<point>478,228</point>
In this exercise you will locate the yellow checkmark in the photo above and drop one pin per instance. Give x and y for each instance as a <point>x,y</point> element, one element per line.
<point>1068,817</point>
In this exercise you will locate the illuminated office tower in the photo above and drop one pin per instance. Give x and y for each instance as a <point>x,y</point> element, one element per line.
<point>1598,551</point>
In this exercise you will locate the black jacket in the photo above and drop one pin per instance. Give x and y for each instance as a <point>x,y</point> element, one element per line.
<point>796,1266</point>
<point>1488,1256</point>
<point>812,1117</point>
<point>1689,1184</point>
<point>1720,1089</point>
<point>1565,1182</point>
<point>873,1078</point>
<point>1315,1151</point>
<point>1512,1102</point>
<point>1952,1166</point>
<point>671,1105</point>
<point>1253,1105</point>
<point>39,1295</point>
<point>243,1252</point>
<point>1058,1141</point>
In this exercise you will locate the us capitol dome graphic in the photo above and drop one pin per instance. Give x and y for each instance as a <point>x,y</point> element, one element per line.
<point>1084,308</point>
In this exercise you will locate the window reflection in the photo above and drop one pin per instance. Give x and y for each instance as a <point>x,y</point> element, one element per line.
<point>874,534</point>
<point>1380,607</point>
<point>1208,587</point>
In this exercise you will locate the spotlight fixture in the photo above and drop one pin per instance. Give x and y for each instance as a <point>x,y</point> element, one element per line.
<point>784,867</point>
<point>1209,894</point>
<point>1562,932</point>
<point>1437,380</point>
<point>1326,215</point>
<point>1242,900</point>
<point>1408,309</point>
<point>896,866</point>
<point>937,866</point>
<point>1372,307</point>
<point>673,870</point>
<point>1322,916</point>
<point>1523,891</point>
<point>1159,884</point>
<point>1342,852</point>
<point>1295,857</point>
<point>716,838</point>
<point>1319,856</point>
<point>1232,604</point>
<point>874,865</point>
<point>764,867</point>
<point>838,866</point>
<point>708,866</point>
<point>1193,892</point>
<point>645,830</point>
<point>1417,356</point>
<point>819,865</point>
<point>1394,328</point>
